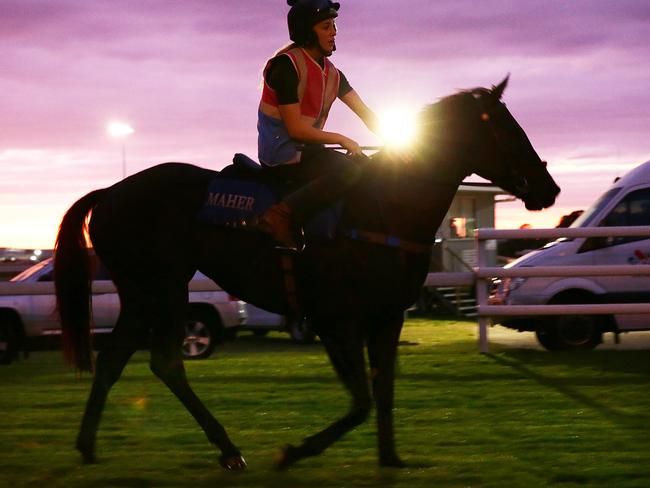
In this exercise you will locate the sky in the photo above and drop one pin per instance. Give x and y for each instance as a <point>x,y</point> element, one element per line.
<point>186,76</point>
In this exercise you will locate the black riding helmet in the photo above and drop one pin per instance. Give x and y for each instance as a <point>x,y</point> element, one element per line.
<point>304,14</point>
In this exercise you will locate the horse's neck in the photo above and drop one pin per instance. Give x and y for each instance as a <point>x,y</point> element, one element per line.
<point>421,206</point>
<point>399,201</point>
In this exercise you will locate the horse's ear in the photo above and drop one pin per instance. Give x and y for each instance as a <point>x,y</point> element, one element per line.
<point>497,91</point>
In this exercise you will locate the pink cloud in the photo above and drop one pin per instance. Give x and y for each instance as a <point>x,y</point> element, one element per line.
<point>186,76</point>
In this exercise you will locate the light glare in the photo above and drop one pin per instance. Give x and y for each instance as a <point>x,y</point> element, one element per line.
<point>398,127</point>
<point>119,129</point>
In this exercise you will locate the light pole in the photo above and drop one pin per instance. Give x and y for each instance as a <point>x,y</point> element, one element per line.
<point>120,130</point>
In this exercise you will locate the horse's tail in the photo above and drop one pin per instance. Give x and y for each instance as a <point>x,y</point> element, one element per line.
<point>72,281</point>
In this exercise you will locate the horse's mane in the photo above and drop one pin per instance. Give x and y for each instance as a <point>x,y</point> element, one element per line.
<point>431,113</point>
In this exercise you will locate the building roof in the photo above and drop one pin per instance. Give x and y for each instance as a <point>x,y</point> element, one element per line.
<point>479,187</point>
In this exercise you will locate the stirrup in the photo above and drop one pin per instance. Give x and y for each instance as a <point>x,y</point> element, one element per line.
<point>300,243</point>
<point>255,223</point>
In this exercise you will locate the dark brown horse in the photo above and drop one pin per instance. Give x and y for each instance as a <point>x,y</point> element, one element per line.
<point>354,289</point>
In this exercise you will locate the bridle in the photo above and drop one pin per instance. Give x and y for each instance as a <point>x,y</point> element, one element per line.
<point>521,185</point>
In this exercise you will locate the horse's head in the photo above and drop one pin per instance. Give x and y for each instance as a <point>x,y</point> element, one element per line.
<point>494,146</point>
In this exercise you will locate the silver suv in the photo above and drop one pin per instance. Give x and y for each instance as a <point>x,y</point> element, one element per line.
<point>28,318</point>
<point>260,322</point>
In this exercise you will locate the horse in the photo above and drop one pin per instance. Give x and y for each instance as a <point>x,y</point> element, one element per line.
<point>353,288</point>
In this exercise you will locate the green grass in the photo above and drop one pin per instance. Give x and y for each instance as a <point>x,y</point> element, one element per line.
<point>512,418</point>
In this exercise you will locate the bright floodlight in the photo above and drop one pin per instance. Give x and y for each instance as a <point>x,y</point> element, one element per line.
<point>119,129</point>
<point>398,127</point>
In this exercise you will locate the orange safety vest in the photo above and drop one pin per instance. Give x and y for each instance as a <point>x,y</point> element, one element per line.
<point>317,89</point>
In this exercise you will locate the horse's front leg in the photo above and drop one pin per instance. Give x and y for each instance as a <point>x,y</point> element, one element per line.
<point>382,353</point>
<point>346,354</point>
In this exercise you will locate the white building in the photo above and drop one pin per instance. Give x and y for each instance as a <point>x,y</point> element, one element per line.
<point>473,207</point>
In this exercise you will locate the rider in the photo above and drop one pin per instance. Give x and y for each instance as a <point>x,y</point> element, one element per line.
<point>300,85</point>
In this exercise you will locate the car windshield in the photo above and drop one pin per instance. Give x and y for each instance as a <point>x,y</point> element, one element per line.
<point>588,216</point>
<point>31,270</point>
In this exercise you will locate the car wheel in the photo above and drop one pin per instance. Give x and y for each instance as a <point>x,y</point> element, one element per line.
<point>570,332</point>
<point>8,343</point>
<point>578,331</point>
<point>547,336</point>
<point>300,332</point>
<point>201,335</point>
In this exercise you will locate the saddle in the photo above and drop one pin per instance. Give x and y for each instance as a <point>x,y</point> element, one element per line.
<point>243,189</point>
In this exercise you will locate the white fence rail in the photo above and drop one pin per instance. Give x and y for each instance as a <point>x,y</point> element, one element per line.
<point>481,276</point>
<point>98,287</point>
<point>466,278</point>
<point>484,274</point>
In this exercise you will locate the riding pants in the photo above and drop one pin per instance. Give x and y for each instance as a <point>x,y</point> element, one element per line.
<point>320,179</point>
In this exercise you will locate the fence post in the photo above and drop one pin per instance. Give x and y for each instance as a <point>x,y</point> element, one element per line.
<point>481,294</point>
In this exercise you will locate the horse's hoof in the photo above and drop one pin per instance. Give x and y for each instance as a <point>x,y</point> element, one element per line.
<point>87,455</point>
<point>288,456</point>
<point>392,461</point>
<point>233,463</point>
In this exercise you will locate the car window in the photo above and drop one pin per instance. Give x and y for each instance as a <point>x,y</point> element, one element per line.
<point>633,210</point>
<point>32,270</point>
<point>47,276</point>
<point>100,272</point>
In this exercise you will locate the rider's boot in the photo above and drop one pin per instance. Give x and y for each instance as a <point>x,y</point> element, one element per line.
<point>276,220</point>
<point>285,219</point>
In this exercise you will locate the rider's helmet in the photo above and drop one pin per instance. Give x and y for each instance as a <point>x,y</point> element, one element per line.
<point>304,14</point>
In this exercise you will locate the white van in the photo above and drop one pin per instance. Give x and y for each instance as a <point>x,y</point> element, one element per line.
<point>626,203</point>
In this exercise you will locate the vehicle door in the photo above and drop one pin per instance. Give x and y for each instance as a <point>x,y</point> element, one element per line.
<point>106,304</point>
<point>632,210</point>
<point>40,315</point>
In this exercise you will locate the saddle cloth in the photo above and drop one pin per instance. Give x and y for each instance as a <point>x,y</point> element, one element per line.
<point>241,191</point>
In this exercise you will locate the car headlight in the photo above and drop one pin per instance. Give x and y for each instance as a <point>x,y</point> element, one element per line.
<point>516,283</point>
<point>502,287</point>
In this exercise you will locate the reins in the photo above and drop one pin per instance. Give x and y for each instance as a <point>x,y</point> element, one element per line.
<point>289,277</point>
<point>521,186</point>
<point>387,240</point>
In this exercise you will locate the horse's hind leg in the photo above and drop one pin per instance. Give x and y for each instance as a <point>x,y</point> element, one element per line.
<point>346,355</point>
<point>167,319</point>
<point>382,353</point>
<point>110,363</point>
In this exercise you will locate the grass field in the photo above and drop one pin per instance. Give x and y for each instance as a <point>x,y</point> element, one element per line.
<point>512,418</point>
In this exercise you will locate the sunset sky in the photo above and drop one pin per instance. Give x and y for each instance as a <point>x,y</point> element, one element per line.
<point>186,75</point>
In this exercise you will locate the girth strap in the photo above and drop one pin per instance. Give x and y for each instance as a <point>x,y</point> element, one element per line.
<point>387,240</point>
<point>295,310</point>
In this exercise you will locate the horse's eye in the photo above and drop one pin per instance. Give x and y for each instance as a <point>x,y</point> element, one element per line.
<point>485,117</point>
